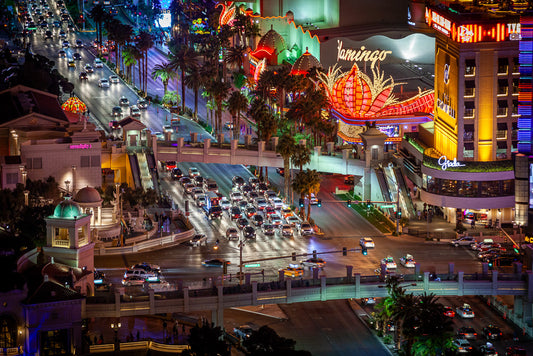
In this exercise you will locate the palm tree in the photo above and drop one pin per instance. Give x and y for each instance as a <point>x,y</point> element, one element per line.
<point>144,42</point>
<point>237,102</point>
<point>129,57</point>
<point>219,91</point>
<point>183,59</point>
<point>120,34</point>
<point>235,56</point>
<point>301,156</point>
<point>306,183</point>
<point>164,72</point>
<point>286,148</point>
<point>193,80</point>
<point>99,15</point>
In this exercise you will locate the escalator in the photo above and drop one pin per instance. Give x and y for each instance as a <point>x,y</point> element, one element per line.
<point>150,159</point>
<point>407,202</point>
<point>134,165</point>
<point>384,186</point>
<point>144,170</point>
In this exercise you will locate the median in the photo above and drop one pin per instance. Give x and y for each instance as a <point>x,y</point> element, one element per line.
<point>371,214</point>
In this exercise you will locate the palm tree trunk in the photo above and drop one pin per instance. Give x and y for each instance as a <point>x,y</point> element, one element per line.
<point>182,91</point>
<point>140,75</point>
<point>308,207</point>
<point>286,177</point>
<point>195,103</point>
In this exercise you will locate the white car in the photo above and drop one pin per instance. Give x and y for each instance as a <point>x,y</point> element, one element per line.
<point>389,262</point>
<point>194,172</point>
<point>103,83</point>
<point>367,242</point>
<point>286,230</point>
<point>225,203</point>
<point>260,204</point>
<point>197,240</point>
<point>408,261</point>
<point>236,197</point>
<point>293,221</point>
<point>275,220</point>
<point>201,200</point>
<point>465,312</point>
<point>123,101</point>
<point>114,79</point>
<point>313,262</point>
<point>135,111</point>
<point>232,233</point>
<point>276,203</point>
<point>98,63</point>
<point>306,229</point>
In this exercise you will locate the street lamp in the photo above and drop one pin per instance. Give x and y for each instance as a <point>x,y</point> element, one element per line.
<point>116,327</point>
<point>67,184</point>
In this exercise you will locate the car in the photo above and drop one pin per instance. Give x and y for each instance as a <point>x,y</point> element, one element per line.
<point>242,223</point>
<point>196,192</point>
<point>116,111</point>
<point>269,229</point>
<point>157,284</point>
<point>198,181</point>
<point>306,229</point>
<point>515,351</point>
<point>276,203</point>
<point>280,171</point>
<point>248,232</point>
<point>167,128</point>
<point>228,125</point>
<point>250,211</point>
<point>349,180</point>
<point>488,350</point>
<point>408,261</point>
<point>139,272</point>
<point>236,197</point>
<point>71,63</point>
<point>492,332</point>
<point>103,83</point>
<point>252,196</point>
<point>237,181</point>
<point>79,43</point>
<point>194,172</point>
<point>253,181</point>
<point>243,332</point>
<point>269,211</point>
<point>465,312</point>
<point>62,34</point>
<point>260,204</point>
<point>123,101</point>
<point>449,312</point>
<point>114,79</point>
<point>224,203</point>
<point>133,281</point>
<point>134,111</point>
<point>313,262</point>
<point>98,63</point>
<point>261,188</point>
<point>242,204</point>
<point>257,220</point>
<point>366,242</point>
<point>368,301</point>
<point>214,212</point>
<point>48,35</point>
<point>189,187</point>
<point>464,241</point>
<point>65,44</point>
<point>176,173</point>
<point>270,194</point>
<point>246,189</point>
<point>76,56</point>
<point>276,220</point>
<point>462,346</point>
<point>83,76</point>
<point>185,180</point>
<point>293,221</point>
<point>389,262</point>
<point>467,332</point>
<point>313,200</point>
<point>89,68</point>
<point>201,200</point>
<point>62,53</point>
<point>57,23</point>
<point>286,230</point>
<point>293,271</point>
<point>232,233</point>
<point>286,212</point>
<point>198,239</point>
<point>215,262</point>
<point>148,267</point>
<point>235,213</point>
<point>142,104</point>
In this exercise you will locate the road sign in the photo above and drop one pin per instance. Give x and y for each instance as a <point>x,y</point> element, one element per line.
<point>388,206</point>
<point>253,265</point>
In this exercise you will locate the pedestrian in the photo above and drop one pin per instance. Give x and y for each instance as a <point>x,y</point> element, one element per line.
<point>138,335</point>
<point>101,340</point>
<point>95,340</point>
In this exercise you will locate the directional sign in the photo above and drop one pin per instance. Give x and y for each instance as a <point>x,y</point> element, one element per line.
<point>253,265</point>
<point>388,206</point>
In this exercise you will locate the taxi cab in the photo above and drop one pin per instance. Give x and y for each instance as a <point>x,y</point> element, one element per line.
<point>293,271</point>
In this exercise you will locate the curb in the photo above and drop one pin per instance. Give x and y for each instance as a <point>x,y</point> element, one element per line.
<point>262,314</point>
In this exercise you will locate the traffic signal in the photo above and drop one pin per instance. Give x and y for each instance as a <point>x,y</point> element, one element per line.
<point>516,249</point>
<point>314,254</point>
<point>399,214</point>
<point>344,251</point>
<point>349,202</point>
<point>491,265</point>
<point>294,256</point>
<point>301,203</point>
<point>364,251</point>
<point>319,203</point>
<point>368,204</point>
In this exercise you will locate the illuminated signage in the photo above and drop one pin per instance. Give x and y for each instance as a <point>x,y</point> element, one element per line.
<point>360,55</point>
<point>445,163</point>
<point>81,146</point>
<point>446,73</point>
<point>472,33</point>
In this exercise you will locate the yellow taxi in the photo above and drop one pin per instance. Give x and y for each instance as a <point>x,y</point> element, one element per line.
<point>71,63</point>
<point>293,271</point>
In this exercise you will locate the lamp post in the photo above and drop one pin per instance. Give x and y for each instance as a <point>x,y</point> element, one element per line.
<point>241,245</point>
<point>26,199</point>
<point>116,327</point>
<point>67,184</point>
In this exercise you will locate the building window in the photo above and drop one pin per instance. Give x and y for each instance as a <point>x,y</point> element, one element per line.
<point>502,108</point>
<point>501,152</point>
<point>501,133</point>
<point>514,133</point>
<point>503,87</point>
<point>515,86</point>
<point>8,332</point>
<point>469,109</point>
<point>470,67</point>
<point>468,151</point>
<point>463,188</point>
<point>12,178</point>
<point>470,88</point>
<point>503,65</point>
<point>37,163</point>
<point>95,161</point>
<point>516,66</point>
<point>468,134</point>
<point>85,161</point>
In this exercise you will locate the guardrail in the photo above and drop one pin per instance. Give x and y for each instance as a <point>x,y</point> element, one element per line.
<point>138,345</point>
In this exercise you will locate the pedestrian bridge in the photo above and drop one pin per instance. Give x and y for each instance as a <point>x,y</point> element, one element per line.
<point>221,297</point>
<point>253,155</point>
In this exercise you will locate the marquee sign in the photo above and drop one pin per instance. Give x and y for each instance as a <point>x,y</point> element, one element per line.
<point>473,32</point>
<point>445,163</point>
<point>360,55</point>
<point>81,146</point>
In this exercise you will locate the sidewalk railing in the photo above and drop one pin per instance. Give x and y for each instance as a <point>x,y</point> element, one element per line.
<point>138,345</point>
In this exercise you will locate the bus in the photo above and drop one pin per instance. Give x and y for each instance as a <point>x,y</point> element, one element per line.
<point>212,207</point>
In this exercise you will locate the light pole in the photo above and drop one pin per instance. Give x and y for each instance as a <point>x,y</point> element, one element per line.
<point>116,327</point>
<point>67,184</point>
<point>241,245</point>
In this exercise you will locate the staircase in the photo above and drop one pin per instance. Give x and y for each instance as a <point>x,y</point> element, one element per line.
<point>146,176</point>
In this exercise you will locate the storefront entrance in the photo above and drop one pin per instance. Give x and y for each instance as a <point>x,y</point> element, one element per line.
<point>55,342</point>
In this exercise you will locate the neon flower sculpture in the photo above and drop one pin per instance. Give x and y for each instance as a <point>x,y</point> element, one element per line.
<point>358,99</point>
<point>227,15</point>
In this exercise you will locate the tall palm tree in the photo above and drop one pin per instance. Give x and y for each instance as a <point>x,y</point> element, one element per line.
<point>237,102</point>
<point>193,80</point>
<point>129,57</point>
<point>164,72</point>
<point>286,148</point>
<point>144,42</point>
<point>218,90</point>
<point>301,156</point>
<point>235,56</point>
<point>183,59</point>
<point>306,183</point>
<point>99,15</point>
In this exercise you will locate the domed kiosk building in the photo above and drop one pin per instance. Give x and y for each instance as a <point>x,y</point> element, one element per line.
<point>90,202</point>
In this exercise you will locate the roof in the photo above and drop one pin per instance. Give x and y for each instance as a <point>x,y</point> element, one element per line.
<point>67,209</point>
<point>51,291</point>
<point>136,124</point>
<point>63,273</point>
<point>304,63</point>
<point>87,195</point>
<point>21,100</point>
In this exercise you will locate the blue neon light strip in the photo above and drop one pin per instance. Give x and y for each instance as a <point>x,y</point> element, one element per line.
<point>525,60</point>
